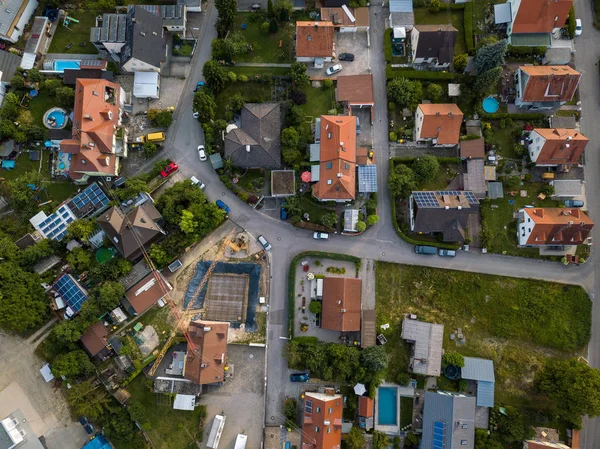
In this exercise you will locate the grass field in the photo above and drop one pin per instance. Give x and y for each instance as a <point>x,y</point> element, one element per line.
<point>314,211</point>
<point>318,101</point>
<point>254,71</point>
<point>406,410</point>
<point>76,33</point>
<point>518,323</point>
<point>265,47</point>
<point>445,16</point>
<point>39,105</point>
<point>167,428</point>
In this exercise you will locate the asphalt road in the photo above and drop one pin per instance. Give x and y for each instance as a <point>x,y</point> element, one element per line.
<point>380,242</point>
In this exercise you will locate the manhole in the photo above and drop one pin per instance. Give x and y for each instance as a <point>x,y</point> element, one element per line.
<point>251,356</point>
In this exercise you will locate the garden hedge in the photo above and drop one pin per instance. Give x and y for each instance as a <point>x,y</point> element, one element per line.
<point>387,45</point>
<point>525,51</point>
<point>413,74</point>
<point>501,115</point>
<point>468,20</point>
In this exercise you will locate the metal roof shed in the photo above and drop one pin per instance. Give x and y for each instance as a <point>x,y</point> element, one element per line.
<point>481,371</point>
<point>502,13</point>
<point>367,178</point>
<point>401,6</point>
<point>184,402</point>
<point>350,220</point>
<point>146,85</point>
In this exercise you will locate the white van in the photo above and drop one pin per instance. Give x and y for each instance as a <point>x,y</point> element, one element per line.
<point>197,182</point>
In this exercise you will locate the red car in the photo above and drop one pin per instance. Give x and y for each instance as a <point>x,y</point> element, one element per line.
<point>172,167</point>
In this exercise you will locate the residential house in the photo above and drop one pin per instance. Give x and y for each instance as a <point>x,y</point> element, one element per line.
<point>257,143</point>
<point>94,146</point>
<point>558,147</point>
<point>426,341</point>
<point>16,432</point>
<point>147,292</point>
<point>8,67</point>
<point>448,420</point>
<point>438,124</point>
<point>366,411</point>
<point>448,212</point>
<point>472,148</point>
<point>314,42</point>
<point>133,232</point>
<point>94,341</point>
<point>548,438</point>
<point>341,304</point>
<point>474,177</point>
<point>14,17</point>
<point>37,42</point>
<point>553,227</point>
<point>401,13</point>
<point>347,20</point>
<point>481,372</point>
<point>337,168</point>
<point>356,91</point>
<point>72,295</point>
<point>205,361</point>
<point>173,17</point>
<point>322,420</point>
<point>433,45</point>
<point>532,22</point>
<point>545,87</point>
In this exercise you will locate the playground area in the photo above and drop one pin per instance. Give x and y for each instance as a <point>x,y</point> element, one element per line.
<point>73,33</point>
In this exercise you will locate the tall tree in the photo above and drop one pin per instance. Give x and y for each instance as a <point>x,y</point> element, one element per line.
<point>81,229</point>
<point>72,364</point>
<point>486,82</point>
<point>490,56</point>
<point>109,295</point>
<point>205,106</point>
<point>227,10</point>
<point>355,439</point>
<point>402,181</point>
<point>289,145</point>
<point>270,10</point>
<point>405,93</point>
<point>426,168</point>
<point>87,399</point>
<point>214,75</point>
<point>298,74</point>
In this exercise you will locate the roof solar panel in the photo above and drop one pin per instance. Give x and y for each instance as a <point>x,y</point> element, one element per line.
<point>367,178</point>
<point>439,434</point>
<point>90,201</point>
<point>72,294</point>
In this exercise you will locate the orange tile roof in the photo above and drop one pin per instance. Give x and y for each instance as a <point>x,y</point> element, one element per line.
<point>441,122</point>
<point>328,419</point>
<point>538,16</point>
<point>365,406</point>
<point>338,158</point>
<point>472,149</point>
<point>550,83</point>
<point>206,364</point>
<point>314,39</point>
<point>341,304</point>
<point>556,226</point>
<point>95,118</point>
<point>355,89</point>
<point>147,292</point>
<point>563,146</point>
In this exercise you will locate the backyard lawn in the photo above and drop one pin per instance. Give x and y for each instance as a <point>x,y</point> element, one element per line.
<point>315,212</point>
<point>265,47</point>
<point>501,226</point>
<point>252,93</point>
<point>518,323</point>
<point>39,105</point>
<point>251,179</point>
<point>318,101</point>
<point>445,16</point>
<point>167,428</point>
<point>406,411</point>
<point>76,33</point>
<point>251,72</point>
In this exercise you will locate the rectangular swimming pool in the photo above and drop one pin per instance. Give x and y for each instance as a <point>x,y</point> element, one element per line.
<point>387,408</point>
<point>61,64</point>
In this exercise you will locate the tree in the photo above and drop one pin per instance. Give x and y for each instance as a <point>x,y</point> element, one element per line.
<point>81,229</point>
<point>454,359</point>
<point>294,116</point>
<point>298,97</point>
<point>273,26</point>
<point>548,190</point>
<point>405,93</point>
<point>51,85</point>
<point>571,23</point>
<point>355,439</point>
<point>289,145</point>
<point>236,103</point>
<point>149,149</point>
<point>133,186</point>
<point>290,411</point>
<point>158,255</point>
<point>574,387</point>
<point>214,74</point>
<point>426,168</point>
<point>17,82</point>
<point>434,92</point>
<point>19,191</point>
<point>264,28</point>
<point>65,96</point>
<point>163,119</point>
<point>372,220</point>
<point>137,411</point>
<point>434,6</point>
<point>380,440</point>
<point>109,295</point>
<point>292,206</point>
<point>512,182</point>
<point>486,82</point>
<point>284,9</point>
<point>361,226</point>
<point>402,181</point>
<point>460,62</point>
<point>32,254</point>
<point>227,12</point>
<point>329,220</point>
<point>188,222</point>
<point>490,56</point>
<point>374,359</point>
<point>298,74</point>
<point>270,10</point>
<point>315,307</point>
<point>10,107</point>
<point>80,259</point>
<point>205,106</point>
<point>72,364</point>
<point>87,399</point>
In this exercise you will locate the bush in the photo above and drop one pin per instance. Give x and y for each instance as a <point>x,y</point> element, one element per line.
<point>336,270</point>
<point>454,359</point>
<point>315,307</point>
<point>329,220</point>
<point>468,19</point>
<point>434,6</point>
<point>412,74</point>
<point>393,136</point>
<point>387,45</point>
<point>290,411</point>
<point>403,379</point>
<point>571,25</point>
<point>505,115</point>
<point>264,28</point>
<point>361,226</point>
<point>327,83</point>
<point>516,52</point>
<point>460,62</point>
<point>548,190</point>
<point>372,220</point>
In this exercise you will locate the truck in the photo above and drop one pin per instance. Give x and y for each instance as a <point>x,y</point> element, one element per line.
<point>152,137</point>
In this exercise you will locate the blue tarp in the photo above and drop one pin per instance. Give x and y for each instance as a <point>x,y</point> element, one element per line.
<point>99,442</point>
<point>8,164</point>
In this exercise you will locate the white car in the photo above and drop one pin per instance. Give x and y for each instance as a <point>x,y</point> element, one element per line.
<point>265,244</point>
<point>578,27</point>
<point>334,69</point>
<point>197,182</point>
<point>195,114</point>
<point>202,153</point>
<point>321,236</point>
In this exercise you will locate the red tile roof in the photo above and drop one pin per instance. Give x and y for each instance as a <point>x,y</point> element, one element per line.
<point>556,226</point>
<point>341,304</point>
<point>340,19</point>
<point>441,122</point>
<point>541,16</point>
<point>365,407</point>
<point>205,363</point>
<point>563,146</point>
<point>94,338</point>
<point>147,292</point>
<point>355,89</point>
<point>472,149</point>
<point>549,83</point>
<point>325,414</point>
<point>314,39</point>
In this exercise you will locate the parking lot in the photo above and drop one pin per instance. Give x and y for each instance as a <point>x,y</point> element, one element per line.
<point>355,43</point>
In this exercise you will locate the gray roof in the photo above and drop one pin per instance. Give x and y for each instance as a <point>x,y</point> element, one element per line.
<point>36,34</point>
<point>427,339</point>
<point>260,132</point>
<point>563,122</point>
<point>70,76</point>
<point>171,15</point>
<point>315,152</point>
<point>190,3</point>
<point>453,412</point>
<point>478,369</point>
<point>558,55</point>
<point>436,41</point>
<point>567,187</point>
<point>474,178</point>
<point>145,39</point>
<point>8,65</point>
<point>450,222</point>
<point>495,190</point>
<point>401,6</point>
<point>113,29</point>
<point>46,263</point>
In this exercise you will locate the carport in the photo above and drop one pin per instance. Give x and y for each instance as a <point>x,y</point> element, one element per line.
<point>356,91</point>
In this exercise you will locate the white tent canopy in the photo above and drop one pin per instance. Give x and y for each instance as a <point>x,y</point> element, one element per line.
<point>146,85</point>
<point>359,389</point>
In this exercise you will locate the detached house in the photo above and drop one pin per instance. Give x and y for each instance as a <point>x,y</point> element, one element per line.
<point>545,87</point>
<point>558,147</point>
<point>553,227</point>
<point>205,361</point>
<point>322,420</point>
<point>532,22</point>
<point>314,42</point>
<point>438,124</point>
<point>433,45</point>
<point>341,304</point>
<point>448,421</point>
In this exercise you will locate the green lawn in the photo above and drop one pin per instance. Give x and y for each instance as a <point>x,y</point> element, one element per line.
<point>251,72</point>
<point>406,410</point>
<point>518,323</point>
<point>497,219</point>
<point>265,47</point>
<point>445,16</point>
<point>167,428</point>
<point>76,33</point>
<point>315,212</point>
<point>318,101</point>
<point>246,182</point>
<point>252,93</point>
<point>39,105</point>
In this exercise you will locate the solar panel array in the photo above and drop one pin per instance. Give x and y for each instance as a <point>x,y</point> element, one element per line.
<point>55,226</point>
<point>91,200</point>
<point>430,199</point>
<point>68,289</point>
<point>439,435</point>
<point>367,178</point>
<point>426,199</point>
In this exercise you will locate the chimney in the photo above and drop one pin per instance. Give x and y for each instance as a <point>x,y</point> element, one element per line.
<point>343,310</point>
<point>459,207</point>
<point>540,212</point>
<point>447,207</point>
<point>247,148</point>
<point>142,33</point>
<point>339,175</point>
<point>316,24</point>
<point>449,114</point>
<point>437,113</point>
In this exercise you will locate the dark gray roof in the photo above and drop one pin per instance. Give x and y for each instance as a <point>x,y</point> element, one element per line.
<point>113,29</point>
<point>450,222</point>
<point>427,340</point>
<point>260,132</point>
<point>495,190</point>
<point>171,15</point>
<point>563,122</point>
<point>8,65</point>
<point>36,34</point>
<point>145,39</point>
<point>436,41</point>
<point>70,76</point>
<point>336,3</point>
<point>456,413</point>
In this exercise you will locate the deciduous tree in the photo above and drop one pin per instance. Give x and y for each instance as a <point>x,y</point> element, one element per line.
<point>434,92</point>
<point>329,220</point>
<point>214,75</point>
<point>109,295</point>
<point>81,229</point>
<point>80,259</point>
<point>426,168</point>
<point>405,93</point>
<point>460,62</point>
<point>298,74</point>
<point>205,106</point>
<point>355,439</point>
<point>289,145</point>
<point>72,364</point>
<point>227,12</point>
<point>402,181</point>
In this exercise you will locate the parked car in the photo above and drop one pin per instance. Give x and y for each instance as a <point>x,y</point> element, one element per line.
<point>299,377</point>
<point>89,429</point>
<point>265,244</point>
<point>427,250</point>
<point>333,69</point>
<point>195,114</point>
<point>197,182</point>
<point>223,206</point>
<point>578,27</point>
<point>447,253</point>
<point>346,57</point>
<point>199,85</point>
<point>321,236</point>
<point>83,420</point>
<point>255,7</point>
<point>283,213</point>
<point>169,169</point>
<point>202,153</point>
<point>573,203</point>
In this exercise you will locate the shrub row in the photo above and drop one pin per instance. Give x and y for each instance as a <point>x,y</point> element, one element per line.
<point>387,45</point>
<point>501,115</point>
<point>468,19</point>
<point>418,74</point>
<point>441,160</point>
<point>516,51</point>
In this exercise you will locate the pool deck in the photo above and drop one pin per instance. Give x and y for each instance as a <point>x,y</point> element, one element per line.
<point>388,429</point>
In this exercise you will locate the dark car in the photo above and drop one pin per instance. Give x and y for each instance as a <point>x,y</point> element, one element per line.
<point>284,214</point>
<point>299,377</point>
<point>171,168</point>
<point>89,429</point>
<point>346,57</point>
<point>83,420</point>
<point>223,206</point>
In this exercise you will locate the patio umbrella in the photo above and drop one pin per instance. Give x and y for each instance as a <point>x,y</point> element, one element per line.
<point>306,177</point>
<point>360,389</point>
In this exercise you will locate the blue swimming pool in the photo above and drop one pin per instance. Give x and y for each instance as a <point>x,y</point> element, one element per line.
<point>57,117</point>
<point>490,105</point>
<point>61,64</point>
<point>387,407</point>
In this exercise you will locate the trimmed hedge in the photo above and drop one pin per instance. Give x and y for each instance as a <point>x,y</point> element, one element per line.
<point>501,115</point>
<point>516,51</point>
<point>468,19</point>
<point>387,45</point>
<point>413,74</point>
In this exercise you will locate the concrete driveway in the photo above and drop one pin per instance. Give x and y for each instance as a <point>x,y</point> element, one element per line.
<point>355,43</point>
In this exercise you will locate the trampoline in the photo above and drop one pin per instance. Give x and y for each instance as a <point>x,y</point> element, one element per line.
<point>451,372</point>
<point>490,105</point>
<point>103,255</point>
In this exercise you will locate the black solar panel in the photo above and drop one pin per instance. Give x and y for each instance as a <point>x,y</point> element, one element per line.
<point>426,199</point>
<point>92,199</point>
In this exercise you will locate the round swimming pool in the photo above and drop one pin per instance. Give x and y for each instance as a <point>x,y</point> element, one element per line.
<point>56,118</point>
<point>490,105</point>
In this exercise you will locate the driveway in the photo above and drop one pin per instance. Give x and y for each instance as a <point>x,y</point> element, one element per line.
<point>355,43</point>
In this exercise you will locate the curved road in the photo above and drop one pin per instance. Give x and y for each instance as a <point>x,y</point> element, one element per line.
<point>380,242</point>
